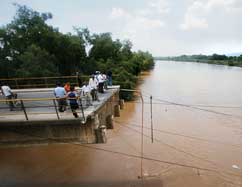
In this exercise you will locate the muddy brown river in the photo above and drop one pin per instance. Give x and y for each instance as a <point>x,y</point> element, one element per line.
<point>197,138</point>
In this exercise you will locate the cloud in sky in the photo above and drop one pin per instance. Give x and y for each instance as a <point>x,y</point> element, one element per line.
<point>199,11</point>
<point>159,6</point>
<point>135,20</point>
<point>195,18</point>
<point>199,26</point>
<point>139,25</point>
<point>163,27</point>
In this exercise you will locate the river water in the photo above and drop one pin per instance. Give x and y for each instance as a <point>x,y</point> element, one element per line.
<point>197,124</point>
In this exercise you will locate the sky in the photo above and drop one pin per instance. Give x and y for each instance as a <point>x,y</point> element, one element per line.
<point>162,27</point>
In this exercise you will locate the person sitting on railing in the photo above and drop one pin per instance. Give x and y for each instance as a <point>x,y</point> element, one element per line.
<point>93,83</point>
<point>7,92</point>
<point>60,94</point>
<point>67,87</point>
<point>72,96</point>
<point>86,89</point>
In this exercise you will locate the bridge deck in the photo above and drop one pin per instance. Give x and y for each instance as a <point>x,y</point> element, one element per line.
<point>39,109</point>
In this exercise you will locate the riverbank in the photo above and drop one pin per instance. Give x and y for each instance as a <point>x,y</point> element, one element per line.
<point>226,63</point>
<point>211,59</point>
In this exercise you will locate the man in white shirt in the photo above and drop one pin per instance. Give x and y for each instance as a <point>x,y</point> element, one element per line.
<point>60,94</point>
<point>6,91</point>
<point>86,89</point>
<point>101,83</point>
<point>93,83</point>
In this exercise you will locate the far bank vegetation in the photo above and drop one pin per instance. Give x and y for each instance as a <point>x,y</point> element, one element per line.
<point>209,59</point>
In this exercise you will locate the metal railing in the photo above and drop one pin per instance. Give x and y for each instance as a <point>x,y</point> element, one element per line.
<point>38,106</point>
<point>42,82</point>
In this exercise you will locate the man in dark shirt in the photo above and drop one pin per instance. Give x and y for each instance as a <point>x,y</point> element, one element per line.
<point>72,96</point>
<point>109,77</point>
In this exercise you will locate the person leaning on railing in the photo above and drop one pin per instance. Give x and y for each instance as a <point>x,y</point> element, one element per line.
<point>9,95</point>
<point>72,96</point>
<point>60,94</point>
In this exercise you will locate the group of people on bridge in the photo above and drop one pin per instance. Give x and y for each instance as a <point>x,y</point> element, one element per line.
<point>97,82</point>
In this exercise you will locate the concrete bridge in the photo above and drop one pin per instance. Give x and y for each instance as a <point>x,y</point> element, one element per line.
<point>37,120</point>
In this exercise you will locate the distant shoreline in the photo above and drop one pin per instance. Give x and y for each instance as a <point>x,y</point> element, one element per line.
<point>212,62</point>
<point>214,59</point>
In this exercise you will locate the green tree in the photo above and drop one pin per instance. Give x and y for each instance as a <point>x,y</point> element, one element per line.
<point>104,47</point>
<point>37,62</point>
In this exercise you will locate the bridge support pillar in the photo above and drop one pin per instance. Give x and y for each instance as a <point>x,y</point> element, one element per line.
<point>121,102</point>
<point>117,111</point>
<point>100,130</point>
<point>109,122</point>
